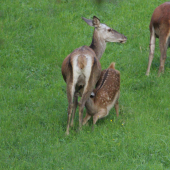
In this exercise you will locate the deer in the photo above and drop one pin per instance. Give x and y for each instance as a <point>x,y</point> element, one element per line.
<point>81,69</point>
<point>104,96</point>
<point>159,28</point>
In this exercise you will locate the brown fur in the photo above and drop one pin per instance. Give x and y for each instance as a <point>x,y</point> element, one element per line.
<point>102,34</point>
<point>112,66</point>
<point>79,87</point>
<point>106,95</point>
<point>82,61</point>
<point>99,41</point>
<point>160,28</point>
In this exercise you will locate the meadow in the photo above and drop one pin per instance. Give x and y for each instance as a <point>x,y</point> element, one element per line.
<point>35,37</point>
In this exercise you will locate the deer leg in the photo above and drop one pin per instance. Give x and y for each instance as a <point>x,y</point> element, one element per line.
<point>70,92</point>
<point>85,96</point>
<point>102,113</point>
<point>87,117</point>
<point>163,44</point>
<point>90,83</point>
<point>117,108</point>
<point>80,115</point>
<point>152,49</point>
<point>74,108</point>
<point>69,117</point>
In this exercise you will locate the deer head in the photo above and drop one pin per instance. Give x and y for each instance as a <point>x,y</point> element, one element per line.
<point>105,32</point>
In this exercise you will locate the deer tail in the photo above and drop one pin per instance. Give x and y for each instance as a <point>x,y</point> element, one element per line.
<point>81,61</point>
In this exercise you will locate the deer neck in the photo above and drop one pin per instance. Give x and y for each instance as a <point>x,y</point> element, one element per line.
<point>98,44</point>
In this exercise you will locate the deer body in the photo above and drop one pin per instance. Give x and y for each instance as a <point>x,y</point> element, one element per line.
<point>160,28</point>
<point>81,69</point>
<point>106,95</point>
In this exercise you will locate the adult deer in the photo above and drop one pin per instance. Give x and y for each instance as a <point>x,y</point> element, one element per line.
<point>104,96</point>
<point>160,28</point>
<point>81,69</point>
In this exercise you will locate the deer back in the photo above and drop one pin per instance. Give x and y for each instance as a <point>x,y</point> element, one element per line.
<point>107,87</point>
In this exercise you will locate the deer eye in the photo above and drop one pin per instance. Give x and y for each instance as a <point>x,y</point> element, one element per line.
<point>109,30</point>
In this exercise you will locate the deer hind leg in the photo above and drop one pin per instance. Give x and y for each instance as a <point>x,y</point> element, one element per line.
<point>74,109</point>
<point>70,106</point>
<point>90,83</point>
<point>86,94</point>
<point>116,105</point>
<point>163,44</point>
<point>70,93</point>
<point>152,49</point>
<point>117,108</point>
<point>102,113</point>
<point>82,102</point>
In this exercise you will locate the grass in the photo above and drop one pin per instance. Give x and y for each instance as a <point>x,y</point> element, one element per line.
<point>35,37</point>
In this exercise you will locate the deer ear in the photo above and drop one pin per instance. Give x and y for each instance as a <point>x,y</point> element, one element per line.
<point>88,21</point>
<point>96,21</point>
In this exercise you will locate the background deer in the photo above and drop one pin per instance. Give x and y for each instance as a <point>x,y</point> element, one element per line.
<point>160,28</point>
<point>104,96</point>
<point>81,69</point>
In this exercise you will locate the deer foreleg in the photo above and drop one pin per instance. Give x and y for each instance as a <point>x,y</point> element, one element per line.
<point>87,117</point>
<point>102,113</point>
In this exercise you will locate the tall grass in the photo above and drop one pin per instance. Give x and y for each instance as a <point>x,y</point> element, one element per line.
<point>35,37</point>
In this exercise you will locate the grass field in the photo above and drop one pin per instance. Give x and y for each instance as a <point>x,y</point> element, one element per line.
<point>35,37</point>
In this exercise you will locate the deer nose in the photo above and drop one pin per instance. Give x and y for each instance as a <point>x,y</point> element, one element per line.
<point>124,39</point>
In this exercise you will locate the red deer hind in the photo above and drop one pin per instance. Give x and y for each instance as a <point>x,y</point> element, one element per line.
<point>81,69</point>
<point>160,28</point>
<point>104,96</point>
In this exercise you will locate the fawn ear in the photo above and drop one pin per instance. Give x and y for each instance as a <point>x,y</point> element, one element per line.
<point>94,23</point>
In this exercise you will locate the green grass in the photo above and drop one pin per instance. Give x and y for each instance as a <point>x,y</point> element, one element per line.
<point>35,37</point>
